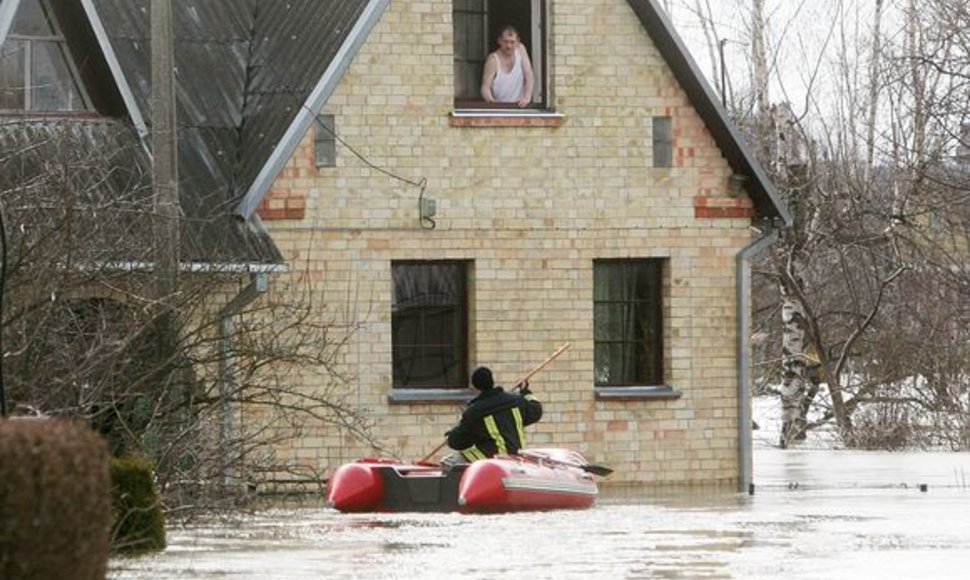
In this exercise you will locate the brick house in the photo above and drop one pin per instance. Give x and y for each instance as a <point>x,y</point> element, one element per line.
<point>614,214</point>
<point>345,142</point>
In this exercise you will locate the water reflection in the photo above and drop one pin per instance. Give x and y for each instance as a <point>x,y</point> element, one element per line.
<point>849,517</point>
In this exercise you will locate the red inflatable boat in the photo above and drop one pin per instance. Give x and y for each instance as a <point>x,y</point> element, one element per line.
<point>539,479</point>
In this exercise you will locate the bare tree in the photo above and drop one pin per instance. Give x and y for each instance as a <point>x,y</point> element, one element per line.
<point>81,340</point>
<point>870,284</point>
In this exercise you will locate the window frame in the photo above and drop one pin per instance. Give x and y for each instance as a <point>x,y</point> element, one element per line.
<point>325,138</point>
<point>662,137</point>
<point>413,392</point>
<point>643,387</point>
<point>60,41</point>
<point>539,51</point>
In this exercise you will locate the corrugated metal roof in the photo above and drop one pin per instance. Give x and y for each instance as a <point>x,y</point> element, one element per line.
<point>111,197</point>
<point>85,182</point>
<point>289,56</point>
<point>243,70</point>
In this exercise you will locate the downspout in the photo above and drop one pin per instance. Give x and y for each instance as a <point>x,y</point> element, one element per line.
<point>227,367</point>
<point>745,462</point>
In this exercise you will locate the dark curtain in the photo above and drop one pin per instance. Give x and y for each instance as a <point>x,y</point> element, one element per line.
<point>627,322</point>
<point>428,325</point>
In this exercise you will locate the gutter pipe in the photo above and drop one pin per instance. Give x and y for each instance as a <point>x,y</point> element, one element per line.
<point>745,483</point>
<point>258,285</point>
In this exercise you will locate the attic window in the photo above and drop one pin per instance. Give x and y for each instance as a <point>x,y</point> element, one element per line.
<point>663,142</point>
<point>37,73</point>
<point>478,24</point>
<point>325,142</point>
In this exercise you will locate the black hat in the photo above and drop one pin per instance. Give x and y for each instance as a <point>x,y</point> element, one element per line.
<point>482,379</point>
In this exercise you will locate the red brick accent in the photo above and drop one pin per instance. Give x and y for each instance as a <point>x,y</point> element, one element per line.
<point>280,214</point>
<point>724,207</point>
<point>273,208</point>
<point>509,121</point>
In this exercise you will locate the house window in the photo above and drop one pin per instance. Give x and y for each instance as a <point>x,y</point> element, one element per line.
<point>477,27</point>
<point>429,322</point>
<point>36,70</point>
<point>628,322</point>
<point>326,142</point>
<point>663,142</point>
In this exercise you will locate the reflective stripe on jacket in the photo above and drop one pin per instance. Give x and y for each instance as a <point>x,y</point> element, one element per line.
<point>494,424</point>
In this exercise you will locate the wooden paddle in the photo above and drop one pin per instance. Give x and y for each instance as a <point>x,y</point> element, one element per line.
<point>518,385</point>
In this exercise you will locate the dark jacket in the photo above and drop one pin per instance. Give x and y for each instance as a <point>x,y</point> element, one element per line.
<point>493,424</point>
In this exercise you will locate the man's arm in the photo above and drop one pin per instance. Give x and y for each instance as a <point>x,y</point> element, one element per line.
<point>488,75</point>
<point>532,409</point>
<point>461,436</point>
<point>526,97</point>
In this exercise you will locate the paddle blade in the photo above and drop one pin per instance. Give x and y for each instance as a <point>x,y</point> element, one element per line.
<point>601,470</point>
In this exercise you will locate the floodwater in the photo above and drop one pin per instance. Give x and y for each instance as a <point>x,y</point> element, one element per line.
<point>814,514</point>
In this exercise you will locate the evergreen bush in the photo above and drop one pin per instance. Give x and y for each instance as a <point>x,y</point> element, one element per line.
<point>55,505</point>
<point>139,525</point>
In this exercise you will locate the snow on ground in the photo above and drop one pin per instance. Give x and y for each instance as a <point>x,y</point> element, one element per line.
<point>766,413</point>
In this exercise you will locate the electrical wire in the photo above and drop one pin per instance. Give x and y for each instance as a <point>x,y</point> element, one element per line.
<point>426,221</point>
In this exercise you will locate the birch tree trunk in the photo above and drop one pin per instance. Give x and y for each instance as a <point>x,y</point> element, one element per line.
<point>873,104</point>
<point>796,380</point>
<point>795,375</point>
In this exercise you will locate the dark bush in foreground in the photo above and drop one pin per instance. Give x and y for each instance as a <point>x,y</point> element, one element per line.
<point>55,505</point>
<point>139,524</point>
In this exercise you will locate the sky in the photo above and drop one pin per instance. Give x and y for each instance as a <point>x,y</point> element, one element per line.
<point>806,40</point>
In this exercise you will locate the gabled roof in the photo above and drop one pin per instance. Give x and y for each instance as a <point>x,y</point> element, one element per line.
<point>252,73</point>
<point>671,47</point>
<point>705,101</point>
<point>245,71</point>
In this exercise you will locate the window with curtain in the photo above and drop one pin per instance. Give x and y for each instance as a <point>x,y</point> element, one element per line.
<point>628,322</point>
<point>325,141</point>
<point>477,25</point>
<point>36,70</point>
<point>429,324</point>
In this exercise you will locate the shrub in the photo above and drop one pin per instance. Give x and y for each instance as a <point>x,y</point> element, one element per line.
<point>883,427</point>
<point>55,506</point>
<point>139,523</point>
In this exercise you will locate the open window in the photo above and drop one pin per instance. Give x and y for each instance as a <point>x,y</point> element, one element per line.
<point>37,73</point>
<point>477,26</point>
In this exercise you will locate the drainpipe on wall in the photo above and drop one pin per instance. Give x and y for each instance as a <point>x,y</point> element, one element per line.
<point>744,355</point>
<point>227,367</point>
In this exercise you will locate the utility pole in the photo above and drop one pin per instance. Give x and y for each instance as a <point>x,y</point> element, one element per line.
<point>165,215</point>
<point>759,59</point>
<point>164,153</point>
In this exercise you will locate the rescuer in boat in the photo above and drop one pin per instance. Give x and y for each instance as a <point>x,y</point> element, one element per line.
<point>493,423</point>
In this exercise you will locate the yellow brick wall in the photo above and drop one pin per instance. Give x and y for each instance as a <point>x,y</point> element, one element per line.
<point>532,208</point>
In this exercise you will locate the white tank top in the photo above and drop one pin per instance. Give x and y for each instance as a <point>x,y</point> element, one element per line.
<point>507,86</point>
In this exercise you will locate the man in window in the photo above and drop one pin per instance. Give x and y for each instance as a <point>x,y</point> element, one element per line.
<point>508,72</point>
<point>494,421</point>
